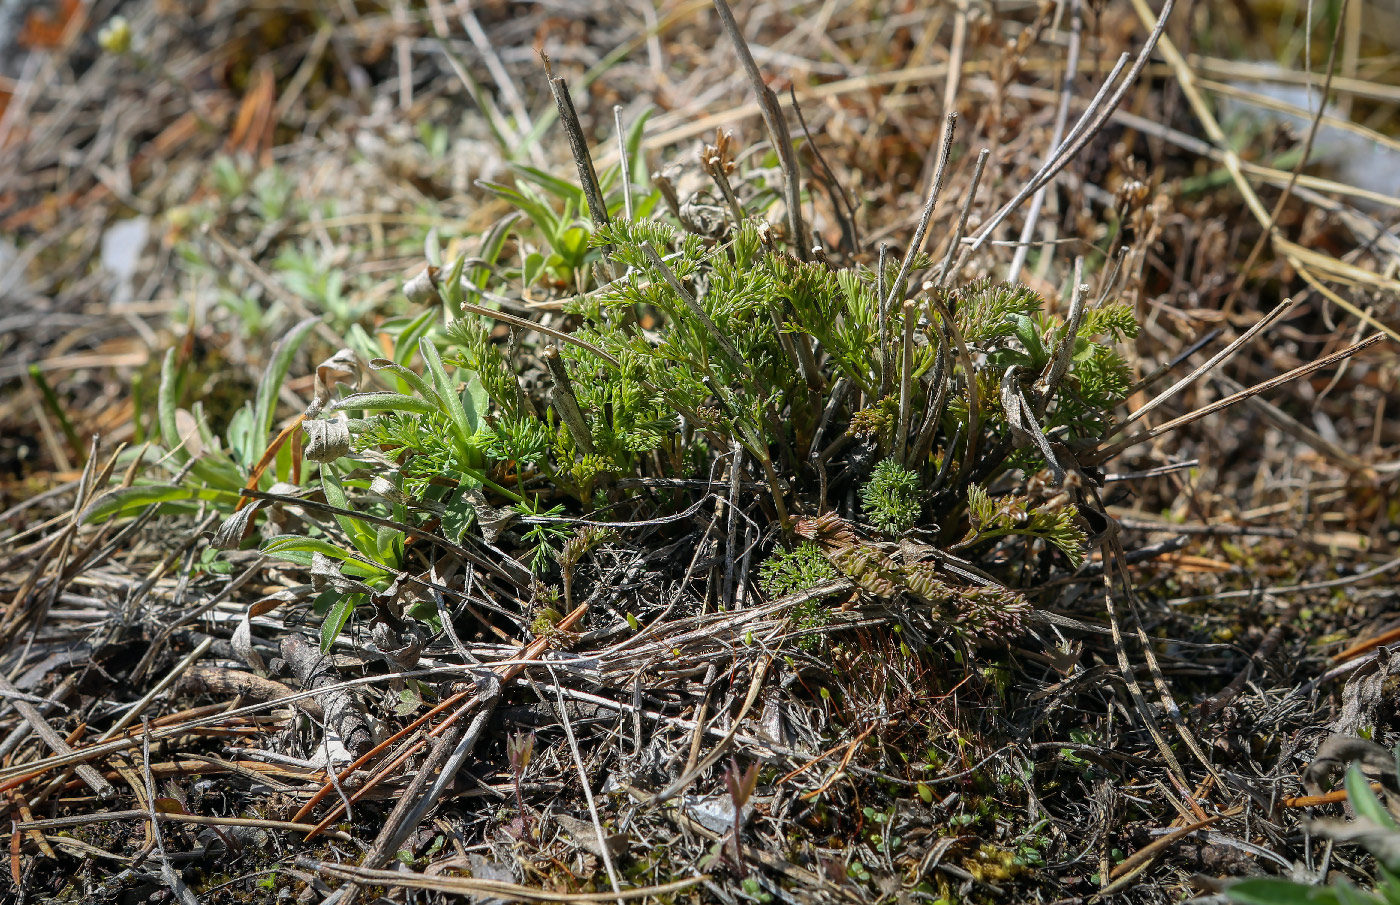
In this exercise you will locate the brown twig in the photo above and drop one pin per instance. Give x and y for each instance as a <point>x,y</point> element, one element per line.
<point>777,128</point>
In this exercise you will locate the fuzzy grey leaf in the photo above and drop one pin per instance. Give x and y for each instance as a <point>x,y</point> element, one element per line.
<point>235,528</point>
<point>342,367</point>
<point>327,440</point>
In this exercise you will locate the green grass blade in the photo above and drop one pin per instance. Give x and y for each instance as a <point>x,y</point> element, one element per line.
<point>335,620</point>
<point>300,550</point>
<point>559,187</point>
<point>166,403</point>
<point>360,534</point>
<point>412,378</point>
<point>407,342</point>
<point>534,207</point>
<point>265,403</point>
<point>125,501</point>
<point>452,402</point>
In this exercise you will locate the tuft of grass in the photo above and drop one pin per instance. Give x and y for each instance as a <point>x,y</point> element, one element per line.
<point>689,341</point>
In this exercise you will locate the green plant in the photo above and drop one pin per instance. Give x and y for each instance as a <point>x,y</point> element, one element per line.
<point>992,518</point>
<point>822,382</point>
<point>315,277</point>
<point>359,563</point>
<point>891,497</point>
<point>566,259</point>
<point>787,572</point>
<point>749,347</point>
<point>215,471</point>
<point>792,571</point>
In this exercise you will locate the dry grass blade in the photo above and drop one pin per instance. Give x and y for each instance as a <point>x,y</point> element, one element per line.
<point>760,671</point>
<point>1214,362</point>
<point>1106,453</point>
<point>57,743</point>
<point>1013,272</point>
<point>1301,257</point>
<point>896,287</point>
<point>470,887</point>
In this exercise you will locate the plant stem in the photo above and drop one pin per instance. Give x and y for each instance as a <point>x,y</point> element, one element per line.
<point>578,145</point>
<point>948,266</point>
<point>886,375</point>
<point>777,128</point>
<point>696,311</point>
<point>970,375</point>
<point>906,380</point>
<point>897,287</point>
<point>624,165</point>
<point>668,194</point>
<point>938,395</point>
<point>715,168</point>
<point>566,402</point>
<point>736,472</point>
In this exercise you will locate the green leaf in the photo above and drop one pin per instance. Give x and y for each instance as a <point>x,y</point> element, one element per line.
<point>128,500</point>
<point>283,544</point>
<point>561,188</point>
<point>241,438</point>
<point>1365,802</point>
<point>452,402</point>
<point>361,342</point>
<point>335,620</point>
<point>207,439</point>
<point>407,376</point>
<point>534,207</point>
<point>1388,886</point>
<point>635,133</point>
<point>407,341</point>
<point>219,472</point>
<point>361,535</point>
<point>451,290</point>
<point>283,466</point>
<point>491,245</point>
<point>295,548</point>
<point>432,246</point>
<point>388,542</point>
<point>475,401</point>
<point>1272,891</point>
<point>166,403</point>
<point>385,402</point>
<point>458,515</point>
<point>273,376</point>
<point>532,268</point>
<point>573,244</point>
<point>1348,894</point>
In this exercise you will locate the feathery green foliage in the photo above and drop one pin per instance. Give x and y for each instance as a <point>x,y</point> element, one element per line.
<point>891,497</point>
<point>787,572</point>
<point>1014,515</point>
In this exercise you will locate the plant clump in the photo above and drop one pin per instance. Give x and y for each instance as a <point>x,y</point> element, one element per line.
<point>800,374</point>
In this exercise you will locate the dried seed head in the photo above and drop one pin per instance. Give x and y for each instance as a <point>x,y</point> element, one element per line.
<point>520,750</point>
